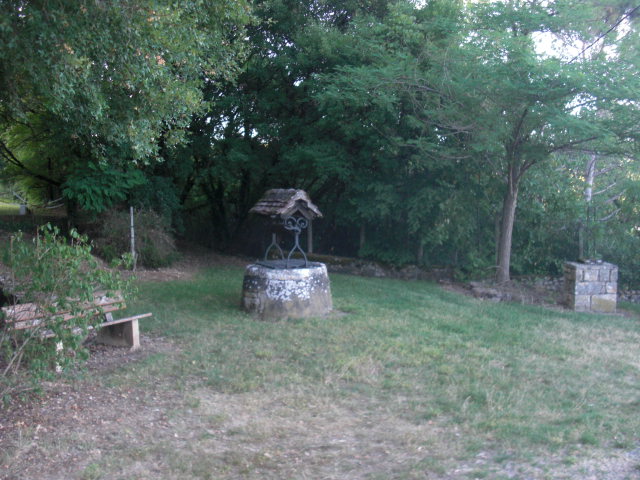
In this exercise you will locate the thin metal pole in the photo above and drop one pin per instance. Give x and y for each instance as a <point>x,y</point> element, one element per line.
<point>133,240</point>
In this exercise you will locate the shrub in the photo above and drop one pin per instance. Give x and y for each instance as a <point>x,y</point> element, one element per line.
<point>155,246</point>
<point>58,274</point>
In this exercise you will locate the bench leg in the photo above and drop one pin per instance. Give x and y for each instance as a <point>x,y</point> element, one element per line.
<point>59,352</point>
<point>132,334</point>
<point>120,335</point>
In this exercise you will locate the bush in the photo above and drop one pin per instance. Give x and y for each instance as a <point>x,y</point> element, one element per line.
<point>57,274</point>
<point>155,246</point>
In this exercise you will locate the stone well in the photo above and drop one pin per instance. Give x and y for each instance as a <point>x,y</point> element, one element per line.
<point>278,293</point>
<point>591,286</point>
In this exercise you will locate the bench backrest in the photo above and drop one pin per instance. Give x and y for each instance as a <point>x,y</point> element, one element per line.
<point>31,315</point>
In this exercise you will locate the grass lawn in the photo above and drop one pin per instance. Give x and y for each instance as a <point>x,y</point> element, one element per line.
<point>406,380</point>
<point>9,208</point>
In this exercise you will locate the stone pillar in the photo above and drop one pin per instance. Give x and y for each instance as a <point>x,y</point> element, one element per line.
<point>276,293</point>
<point>591,287</point>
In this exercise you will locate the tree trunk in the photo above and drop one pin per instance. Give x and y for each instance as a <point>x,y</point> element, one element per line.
<point>496,238</point>
<point>590,175</point>
<point>506,230</point>
<point>586,237</point>
<point>581,254</point>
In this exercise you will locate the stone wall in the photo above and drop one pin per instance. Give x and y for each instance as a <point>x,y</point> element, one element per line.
<point>591,287</point>
<point>632,296</point>
<point>272,294</point>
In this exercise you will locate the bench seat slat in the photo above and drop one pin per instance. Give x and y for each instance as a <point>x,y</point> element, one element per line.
<point>28,315</point>
<point>127,319</point>
<point>22,321</point>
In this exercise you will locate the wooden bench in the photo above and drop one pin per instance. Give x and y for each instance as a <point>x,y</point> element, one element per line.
<point>117,332</point>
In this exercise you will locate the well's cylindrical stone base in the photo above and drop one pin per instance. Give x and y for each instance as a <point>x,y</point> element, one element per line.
<point>287,293</point>
<point>591,287</point>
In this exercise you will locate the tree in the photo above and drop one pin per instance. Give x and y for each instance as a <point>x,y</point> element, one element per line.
<point>392,145</point>
<point>102,82</point>
<point>470,101</point>
<point>529,106</point>
<point>260,130</point>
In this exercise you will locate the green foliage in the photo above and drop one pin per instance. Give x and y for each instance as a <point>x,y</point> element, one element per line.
<point>85,83</point>
<point>617,240</point>
<point>119,73</point>
<point>155,246</point>
<point>407,123</point>
<point>59,275</point>
<point>255,135</point>
<point>417,123</point>
<point>97,187</point>
<point>160,194</point>
<point>550,211</point>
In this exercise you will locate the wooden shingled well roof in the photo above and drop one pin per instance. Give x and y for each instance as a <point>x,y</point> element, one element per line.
<point>284,202</point>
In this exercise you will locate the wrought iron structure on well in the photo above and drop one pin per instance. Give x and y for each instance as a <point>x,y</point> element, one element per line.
<point>293,210</point>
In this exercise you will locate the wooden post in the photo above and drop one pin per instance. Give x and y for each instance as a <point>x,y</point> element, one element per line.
<point>59,353</point>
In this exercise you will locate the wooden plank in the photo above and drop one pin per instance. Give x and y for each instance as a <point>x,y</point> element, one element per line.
<point>21,307</point>
<point>284,202</point>
<point>127,319</point>
<point>22,322</point>
<point>125,334</point>
<point>30,315</point>
<point>132,334</point>
<point>122,332</point>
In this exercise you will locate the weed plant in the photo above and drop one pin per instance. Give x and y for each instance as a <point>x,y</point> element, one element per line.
<point>56,275</point>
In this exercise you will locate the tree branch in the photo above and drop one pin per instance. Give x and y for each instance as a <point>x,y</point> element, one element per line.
<point>608,169</point>
<point>610,216</point>
<point>611,29</point>
<point>568,145</point>
<point>8,155</point>
<point>615,197</point>
<point>606,189</point>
